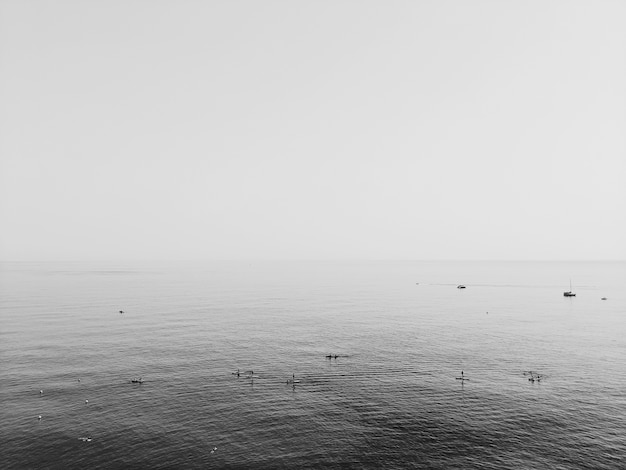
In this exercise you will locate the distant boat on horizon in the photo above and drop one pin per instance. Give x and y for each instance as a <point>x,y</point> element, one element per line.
<point>569,293</point>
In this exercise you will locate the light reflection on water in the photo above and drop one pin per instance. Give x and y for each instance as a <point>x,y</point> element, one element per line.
<point>389,400</point>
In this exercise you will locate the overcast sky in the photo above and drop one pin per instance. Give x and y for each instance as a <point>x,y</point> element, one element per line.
<point>312,129</point>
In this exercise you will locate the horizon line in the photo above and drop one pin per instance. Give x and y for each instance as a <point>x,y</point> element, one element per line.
<point>260,260</point>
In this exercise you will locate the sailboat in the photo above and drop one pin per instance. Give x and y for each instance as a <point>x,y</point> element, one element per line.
<point>569,293</point>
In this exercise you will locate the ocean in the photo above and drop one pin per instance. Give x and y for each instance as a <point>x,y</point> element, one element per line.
<point>402,333</point>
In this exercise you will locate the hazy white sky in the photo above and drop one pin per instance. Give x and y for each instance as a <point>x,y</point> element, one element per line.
<point>322,129</point>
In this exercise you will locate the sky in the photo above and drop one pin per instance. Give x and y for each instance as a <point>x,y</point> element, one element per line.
<point>344,129</point>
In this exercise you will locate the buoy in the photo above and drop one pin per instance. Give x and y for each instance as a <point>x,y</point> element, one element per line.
<point>86,401</point>
<point>40,392</point>
<point>39,417</point>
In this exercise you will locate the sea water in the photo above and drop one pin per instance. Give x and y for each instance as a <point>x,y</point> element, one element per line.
<point>403,334</point>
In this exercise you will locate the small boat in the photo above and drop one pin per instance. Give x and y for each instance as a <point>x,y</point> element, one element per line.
<point>137,381</point>
<point>533,376</point>
<point>462,378</point>
<point>293,380</point>
<point>460,286</point>
<point>569,293</point>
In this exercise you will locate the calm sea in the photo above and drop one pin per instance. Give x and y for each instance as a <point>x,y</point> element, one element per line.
<point>402,333</point>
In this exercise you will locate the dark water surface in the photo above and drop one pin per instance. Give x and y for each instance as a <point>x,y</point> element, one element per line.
<point>390,400</point>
